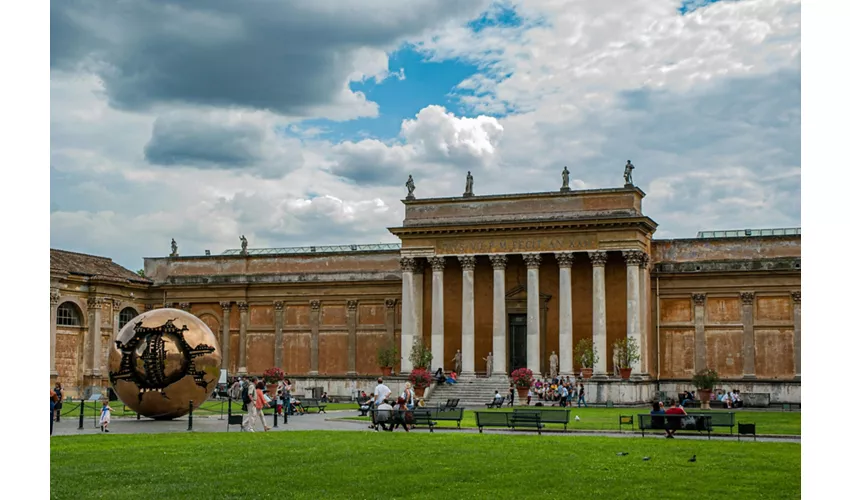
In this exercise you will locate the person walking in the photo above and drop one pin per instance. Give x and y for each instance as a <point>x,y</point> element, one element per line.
<point>59,397</point>
<point>105,414</point>
<point>235,389</point>
<point>408,396</point>
<point>260,402</point>
<point>53,400</point>
<point>249,396</point>
<point>581,396</point>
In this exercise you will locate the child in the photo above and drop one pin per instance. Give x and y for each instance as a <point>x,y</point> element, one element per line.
<point>104,417</point>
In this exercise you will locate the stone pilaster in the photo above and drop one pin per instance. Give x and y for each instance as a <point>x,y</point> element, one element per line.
<point>315,309</point>
<point>565,312</point>
<point>699,331</point>
<point>798,344</point>
<point>747,299</point>
<point>243,337</point>
<point>225,335</point>
<point>600,327</point>
<point>95,305</point>
<point>54,307</point>
<point>532,264</point>
<point>633,259</point>
<point>390,319</point>
<point>644,315</point>
<point>438,346</point>
<point>500,356</point>
<point>408,311</point>
<point>418,296</point>
<point>351,320</point>
<point>278,333</point>
<point>467,263</point>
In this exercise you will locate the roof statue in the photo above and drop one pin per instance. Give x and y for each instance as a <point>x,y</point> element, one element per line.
<point>627,174</point>
<point>173,248</point>
<point>244,244</point>
<point>410,187</point>
<point>468,191</point>
<point>565,180</point>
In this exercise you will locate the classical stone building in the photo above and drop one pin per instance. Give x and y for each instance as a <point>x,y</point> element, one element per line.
<point>520,276</point>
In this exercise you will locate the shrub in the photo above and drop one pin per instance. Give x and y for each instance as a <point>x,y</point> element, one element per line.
<point>273,375</point>
<point>706,379</point>
<point>387,355</point>
<point>585,353</point>
<point>522,377</point>
<point>420,356</point>
<point>419,378</point>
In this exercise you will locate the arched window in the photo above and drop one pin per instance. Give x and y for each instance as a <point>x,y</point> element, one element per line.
<point>127,314</point>
<point>68,314</point>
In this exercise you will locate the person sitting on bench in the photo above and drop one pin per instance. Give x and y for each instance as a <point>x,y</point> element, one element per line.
<point>673,424</point>
<point>366,405</point>
<point>497,399</point>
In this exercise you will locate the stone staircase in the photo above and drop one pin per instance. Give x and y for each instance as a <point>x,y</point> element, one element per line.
<point>471,392</point>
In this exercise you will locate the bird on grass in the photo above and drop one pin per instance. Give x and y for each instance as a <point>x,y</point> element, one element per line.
<point>693,459</point>
<point>622,453</point>
<point>645,459</point>
<point>577,419</point>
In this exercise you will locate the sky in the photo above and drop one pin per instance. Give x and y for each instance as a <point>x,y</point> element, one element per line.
<point>297,122</point>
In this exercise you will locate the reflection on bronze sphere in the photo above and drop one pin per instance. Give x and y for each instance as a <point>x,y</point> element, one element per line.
<point>161,360</point>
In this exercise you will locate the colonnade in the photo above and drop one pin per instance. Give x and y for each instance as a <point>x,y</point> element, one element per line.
<point>412,291</point>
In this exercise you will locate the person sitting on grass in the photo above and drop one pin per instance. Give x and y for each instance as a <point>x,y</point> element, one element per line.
<point>674,424</point>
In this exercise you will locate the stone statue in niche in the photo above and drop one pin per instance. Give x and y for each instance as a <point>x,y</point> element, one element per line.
<point>458,361</point>
<point>489,361</point>
<point>410,187</point>
<point>627,174</point>
<point>553,364</point>
<point>468,191</point>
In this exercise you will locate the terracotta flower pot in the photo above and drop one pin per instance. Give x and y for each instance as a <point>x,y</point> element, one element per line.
<point>625,373</point>
<point>586,373</point>
<point>386,371</point>
<point>704,398</point>
<point>522,392</point>
<point>419,391</point>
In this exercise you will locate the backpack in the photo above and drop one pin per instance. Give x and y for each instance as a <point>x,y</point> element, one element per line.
<point>245,398</point>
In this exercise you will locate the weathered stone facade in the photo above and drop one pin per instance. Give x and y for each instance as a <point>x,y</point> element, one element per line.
<point>566,265</point>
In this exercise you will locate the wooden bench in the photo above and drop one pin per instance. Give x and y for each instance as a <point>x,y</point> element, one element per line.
<point>554,416</point>
<point>491,419</point>
<point>450,404</point>
<point>448,415</point>
<point>526,419</point>
<point>422,416</point>
<point>496,404</point>
<point>308,403</point>
<point>719,418</point>
<point>688,422</point>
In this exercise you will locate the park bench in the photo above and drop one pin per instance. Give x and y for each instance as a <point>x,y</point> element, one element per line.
<point>422,416</point>
<point>491,419</point>
<point>719,418</point>
<point>308,403</point>
<point>496,404</point>
<point>526,419</point>
<point>450,404</point>
<point>365,412</point>
<point>448,415</point>
<point>688,422</point>
<point>554,416</point>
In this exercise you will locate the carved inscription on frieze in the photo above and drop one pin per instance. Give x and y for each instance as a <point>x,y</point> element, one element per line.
<point>517,244</point>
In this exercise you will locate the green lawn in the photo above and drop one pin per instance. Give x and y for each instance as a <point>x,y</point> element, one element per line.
<point>315,464</point>
<point>72,410</point>
<point>774,422</point>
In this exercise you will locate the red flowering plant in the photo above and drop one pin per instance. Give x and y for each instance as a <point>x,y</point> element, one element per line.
<point>273,375</point>
<point>419,378</point>
<point>522,377</point>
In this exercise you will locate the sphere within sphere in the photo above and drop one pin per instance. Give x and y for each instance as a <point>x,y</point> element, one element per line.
<point>161,360</point>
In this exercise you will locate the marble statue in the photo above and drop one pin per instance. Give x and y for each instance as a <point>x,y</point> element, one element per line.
<point>468,191</point>
<point>458,361</point>
<point>244,244</point>
<point>553,364</point>
<point>489,360</point>
<point>627,174</point>
<point>410,187</point>
<point>173,248</point>
<point>565,178</point>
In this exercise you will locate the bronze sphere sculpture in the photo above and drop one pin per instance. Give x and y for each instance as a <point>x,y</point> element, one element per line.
<point>161,360</point>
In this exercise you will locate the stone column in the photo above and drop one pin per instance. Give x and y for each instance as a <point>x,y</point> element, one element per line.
<point>699,331</point>
<point>351,319</point>
<point>418,296</point>
<point>565,312</point>
<point>796,297</point>
<point>644,314</point>
<point>500,356</point>
<point>278,333</point>
<point>633,259</point>
<point>315,306</point>
<point>54,307</point>
<point>243,337</point>
<point>438,265</point>
<point>532,264</point>
<point>600,327</point>
<point>467,263</point>
<point>408,315</point>
<point>95,304</point>
<point>749,334</point>
<point>225,336</point>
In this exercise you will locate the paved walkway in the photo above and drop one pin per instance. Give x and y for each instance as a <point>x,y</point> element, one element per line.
<point>332,421</point>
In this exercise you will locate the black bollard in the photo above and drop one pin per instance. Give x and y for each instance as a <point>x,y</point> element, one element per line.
<point>275,417</point>
<point>191,407</point>
<point>138,416</point>
<point>82,414</point>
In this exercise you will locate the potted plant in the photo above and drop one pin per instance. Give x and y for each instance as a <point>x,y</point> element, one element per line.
<point>272,376</point>
<point>586,355</point>
<point>522,378</point>
<point>705,380</point>
<point>628,353</point>
<point>386,358</point>
<point>420,356</point>
<point>420,378</point>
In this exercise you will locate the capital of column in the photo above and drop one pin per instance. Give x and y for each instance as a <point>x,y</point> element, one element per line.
<point>116,304</point>
<point>499,262</point>
<point>389,303</point>
<point>278,305</point>
<point>185,306</point>
<point>54,297</point>
<point>644,260</point>
<point>243,306</point>
<point>95,303</point>
<point>598,258</point>
<point>699,299</point>
<point>225,306</point>
<point>747,298</point>
<point>437,263</point>
<point>795,296</point>
<point>315,304</point>
<point>407,264</point>
<point>352,305</point>
<point>565,259</point>
<point>532,260</point>
<point>467,262</point>
<point>633,257</point>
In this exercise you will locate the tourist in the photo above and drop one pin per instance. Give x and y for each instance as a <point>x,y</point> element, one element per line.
<point>105,412</point>
<point>235,389</point>
<point>403,417</point>
<point>736,399</point>
<point>382,392</point>
<point>287,396</point>
<point>688,397</point>
<point>581,396</point>
<point>562,391</point>
<point>439,377</point>
<point>382,415</point>
<point>452,378</point>
<point>673,424</point>
<point>249,397</point>
<point>497,398</point>
<point>59,397</point>
<point>569,388</point>
<point>657,421</point>
<point>367,405</point>
<point>53,400</point>
<point>261,402</point>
